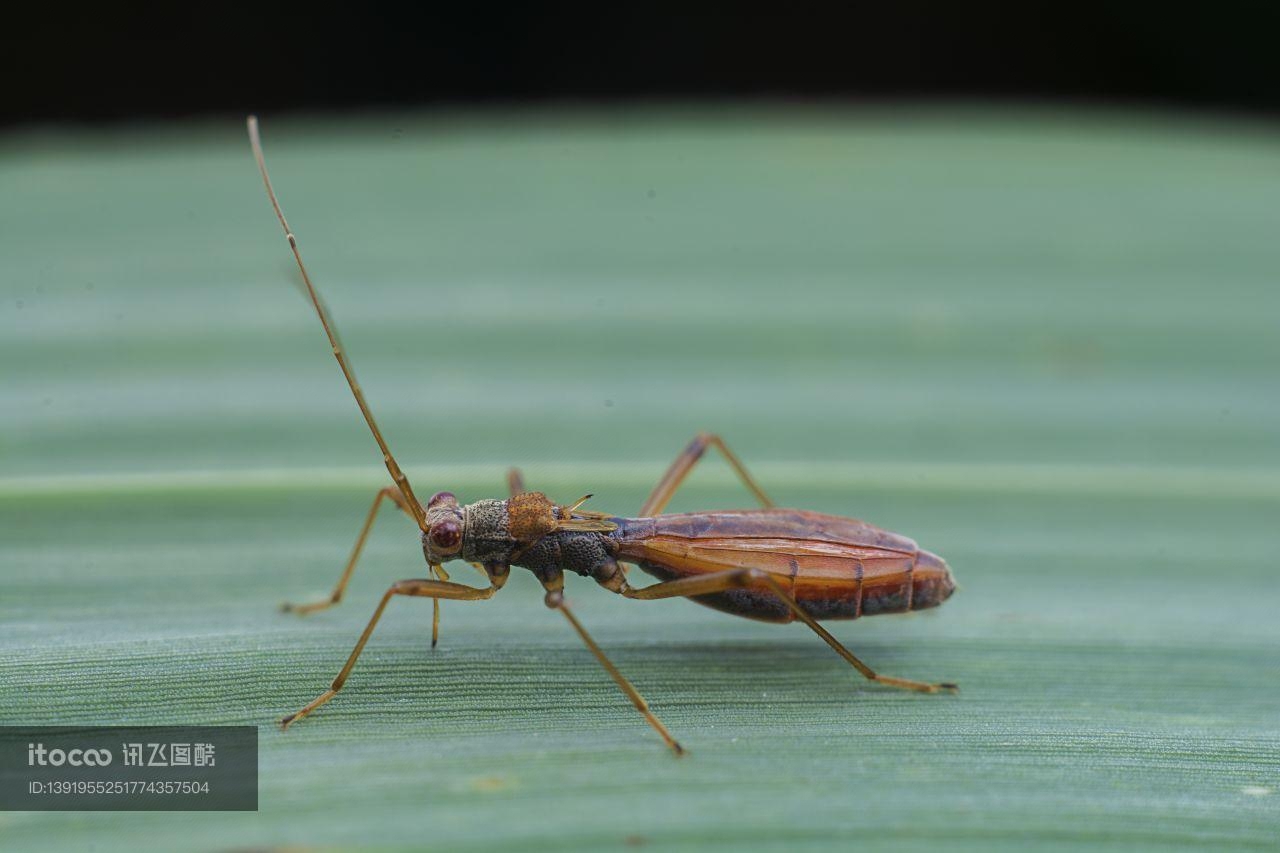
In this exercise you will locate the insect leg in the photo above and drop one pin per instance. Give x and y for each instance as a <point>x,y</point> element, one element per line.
<point>739,578</point>
<point>555,600</point>
<point>341,587</point>
<point>670,482</point>
<point>416,587</point>
<point>439,572</point>
<point>515,482</point>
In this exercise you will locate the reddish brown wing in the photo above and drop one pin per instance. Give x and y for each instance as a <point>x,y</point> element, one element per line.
<point>837,568</point>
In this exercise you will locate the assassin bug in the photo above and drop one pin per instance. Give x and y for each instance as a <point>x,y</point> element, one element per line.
<point>771,564</point>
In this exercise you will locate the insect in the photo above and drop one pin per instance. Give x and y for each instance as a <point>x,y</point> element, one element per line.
<point>772,564</point>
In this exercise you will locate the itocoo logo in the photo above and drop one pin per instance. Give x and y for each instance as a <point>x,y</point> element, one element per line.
<point>38,755</point>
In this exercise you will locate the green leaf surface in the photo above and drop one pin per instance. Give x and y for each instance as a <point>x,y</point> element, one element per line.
<point>1042,344</point>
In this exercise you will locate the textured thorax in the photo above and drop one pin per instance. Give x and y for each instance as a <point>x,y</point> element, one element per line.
<point>486,534</point>
<point>522,532</point>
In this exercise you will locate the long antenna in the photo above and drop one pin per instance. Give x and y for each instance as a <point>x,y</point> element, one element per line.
<point>401,481</point>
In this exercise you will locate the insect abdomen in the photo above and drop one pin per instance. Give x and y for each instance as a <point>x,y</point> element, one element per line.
<point>895,585</point>
<point>836,568</point>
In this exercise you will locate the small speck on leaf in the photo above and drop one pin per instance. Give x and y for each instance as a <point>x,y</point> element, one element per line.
<point>489,784</point>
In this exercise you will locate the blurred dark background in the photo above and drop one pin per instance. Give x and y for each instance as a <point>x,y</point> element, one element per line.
<point>60,63</point>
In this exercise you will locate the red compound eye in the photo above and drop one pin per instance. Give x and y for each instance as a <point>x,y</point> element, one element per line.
<point>446,535</point>
<point>440,497</point>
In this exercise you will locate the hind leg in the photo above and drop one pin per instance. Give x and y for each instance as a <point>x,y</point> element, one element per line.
<point>685,462</point>
<point>740,578</point>
<point>676,474</point>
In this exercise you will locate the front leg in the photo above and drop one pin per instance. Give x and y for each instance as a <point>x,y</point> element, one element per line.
<point>416,587</point>
<point>340,587</point>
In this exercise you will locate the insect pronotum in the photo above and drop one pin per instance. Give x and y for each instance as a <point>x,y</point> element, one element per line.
<point>771,564</point>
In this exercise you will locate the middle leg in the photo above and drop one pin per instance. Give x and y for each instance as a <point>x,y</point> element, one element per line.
<point>555,600</point>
